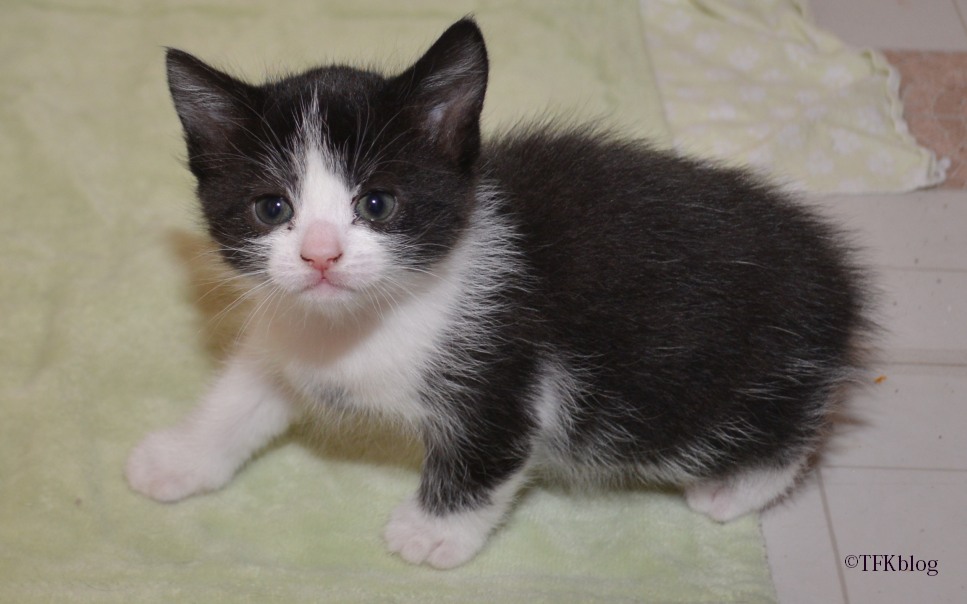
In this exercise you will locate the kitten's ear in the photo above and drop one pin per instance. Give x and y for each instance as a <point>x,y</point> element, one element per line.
<point>444,91</point>
<point>212,105</point>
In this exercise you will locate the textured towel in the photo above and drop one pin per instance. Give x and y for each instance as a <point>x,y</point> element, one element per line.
<point>754,82</point>
<point>109,327</point>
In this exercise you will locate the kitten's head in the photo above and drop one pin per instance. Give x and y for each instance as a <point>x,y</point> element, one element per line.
<point>337,186</point>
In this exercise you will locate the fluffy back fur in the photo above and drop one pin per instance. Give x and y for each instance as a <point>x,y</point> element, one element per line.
<point>554,296</point>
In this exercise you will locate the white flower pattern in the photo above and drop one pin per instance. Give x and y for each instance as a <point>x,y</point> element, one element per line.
<point>753,83</point>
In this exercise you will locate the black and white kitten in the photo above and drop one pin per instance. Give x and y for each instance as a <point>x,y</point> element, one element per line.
<point>552,299</point>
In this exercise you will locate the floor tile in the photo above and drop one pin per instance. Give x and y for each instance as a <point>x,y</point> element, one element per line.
<point>899,24</point>
<point>901,513</point>
<point>923,314</point>
<point>893,480</point>
<point>801,553</point>
<point>916,251</point>
<point>912,419</point>
<point>925,230</point>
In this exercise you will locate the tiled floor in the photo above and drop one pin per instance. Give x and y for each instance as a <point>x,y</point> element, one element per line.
<point>894,481</point>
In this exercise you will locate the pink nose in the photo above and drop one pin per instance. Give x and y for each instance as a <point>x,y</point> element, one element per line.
<point>321,247</point>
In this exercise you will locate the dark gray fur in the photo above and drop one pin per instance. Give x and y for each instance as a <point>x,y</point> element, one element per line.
<point>706,323</point>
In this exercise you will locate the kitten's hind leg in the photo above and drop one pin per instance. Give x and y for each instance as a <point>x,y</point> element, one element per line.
<point>242,412</point>
<point>749,491</point>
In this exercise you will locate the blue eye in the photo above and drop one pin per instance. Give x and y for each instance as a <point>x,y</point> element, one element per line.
<point>272,210</point>
<point>376,206</point>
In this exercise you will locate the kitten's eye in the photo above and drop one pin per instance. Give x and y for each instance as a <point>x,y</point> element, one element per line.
<point>272,210</point>
<point>376,206</point>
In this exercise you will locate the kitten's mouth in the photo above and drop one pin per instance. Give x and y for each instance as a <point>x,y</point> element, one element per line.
<point>326,285</point>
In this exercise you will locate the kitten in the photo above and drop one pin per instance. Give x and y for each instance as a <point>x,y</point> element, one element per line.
<point>557,298</point>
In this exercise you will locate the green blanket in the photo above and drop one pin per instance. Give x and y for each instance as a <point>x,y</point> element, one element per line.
<point>110,328</point>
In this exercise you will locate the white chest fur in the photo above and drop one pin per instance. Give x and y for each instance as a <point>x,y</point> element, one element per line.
<point>376,358</point>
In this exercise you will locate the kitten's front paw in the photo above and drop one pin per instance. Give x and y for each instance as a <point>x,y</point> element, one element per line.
<point>166,467</point>
<point>441,542</point>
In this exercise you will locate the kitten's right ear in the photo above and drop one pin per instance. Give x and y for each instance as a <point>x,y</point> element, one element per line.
<point>211,105</point>
<point>444,91</point>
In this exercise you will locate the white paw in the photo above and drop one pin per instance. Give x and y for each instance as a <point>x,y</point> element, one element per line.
<point>444,542</point>
<point>750,491</point>
<point>167,466</point>
<point>716,500</point>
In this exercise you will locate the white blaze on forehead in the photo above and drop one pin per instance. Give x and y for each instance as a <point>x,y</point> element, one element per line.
<point>323,193</point>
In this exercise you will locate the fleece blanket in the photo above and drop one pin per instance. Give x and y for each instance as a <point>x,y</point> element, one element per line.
<point>110,326</point>
<point>754,82</point>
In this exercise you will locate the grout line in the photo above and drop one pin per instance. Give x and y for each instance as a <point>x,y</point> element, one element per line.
<point>960,15</point>
<point>900,365</point>
<point>892,468</point>
<point>832,535</point>
<point>952,369</point>
<point>919,268</point>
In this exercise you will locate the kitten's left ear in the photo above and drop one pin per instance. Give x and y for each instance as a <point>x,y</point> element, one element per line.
<point>444,91</point>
